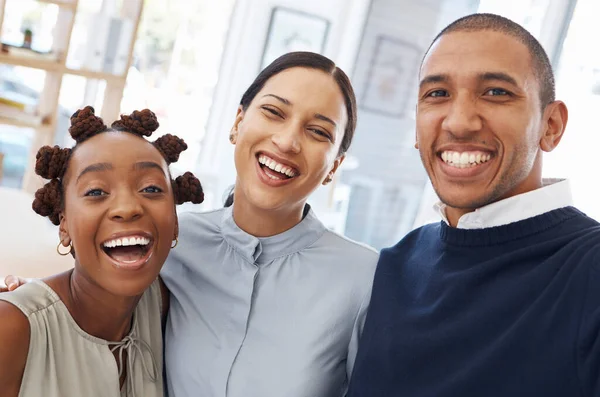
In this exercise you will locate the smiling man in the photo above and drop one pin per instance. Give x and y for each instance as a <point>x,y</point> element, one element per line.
<point>502,297</point>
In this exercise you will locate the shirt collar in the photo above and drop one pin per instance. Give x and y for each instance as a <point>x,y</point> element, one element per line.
<point>264,249</point>
<point>554,194</point>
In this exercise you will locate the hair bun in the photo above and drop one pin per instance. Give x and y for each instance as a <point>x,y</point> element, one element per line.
<point>47,201</point>
<point>85,124</point>
<point>50,162</point>
<point>187,188</point>
<point>171,147</point>
<point>141,122</point>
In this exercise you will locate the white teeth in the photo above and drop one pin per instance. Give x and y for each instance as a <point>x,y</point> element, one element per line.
<point>275,166</point>
<point>455,157</point>
<point>127,241</point>
<point>464,159</point>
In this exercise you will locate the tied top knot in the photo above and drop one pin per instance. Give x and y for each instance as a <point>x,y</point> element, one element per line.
<point>140,122</point>
<point>187,188</point>
<point>170,146</point>
<point>48,200</point>
<point>51,162</point>
<point>85,124</point>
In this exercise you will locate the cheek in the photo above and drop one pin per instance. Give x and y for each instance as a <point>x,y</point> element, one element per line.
<point>426,124</point>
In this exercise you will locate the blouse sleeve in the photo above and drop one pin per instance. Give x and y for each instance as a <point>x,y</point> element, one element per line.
<point>357,332</point>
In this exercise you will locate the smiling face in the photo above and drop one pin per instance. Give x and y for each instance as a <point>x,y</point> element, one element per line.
<point>119,211</point>
<point>287,140</point>
<point>480,127</point>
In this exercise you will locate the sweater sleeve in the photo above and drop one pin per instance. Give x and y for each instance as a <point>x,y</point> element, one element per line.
<point>589,334</point>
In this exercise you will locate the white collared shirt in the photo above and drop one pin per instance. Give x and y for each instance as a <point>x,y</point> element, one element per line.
<point>554,194</point>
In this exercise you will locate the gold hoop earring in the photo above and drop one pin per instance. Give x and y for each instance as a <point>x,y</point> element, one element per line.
<point>64,253</point>
<point>176,242</point>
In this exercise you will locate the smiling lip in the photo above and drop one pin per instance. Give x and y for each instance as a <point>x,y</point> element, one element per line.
<point>262,172</point>
<point>130,266</point>
<point>463,173</point>
<point>279,160</point>
<point>131,233</point>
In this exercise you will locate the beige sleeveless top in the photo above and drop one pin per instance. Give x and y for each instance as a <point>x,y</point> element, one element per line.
<point>65,361</point>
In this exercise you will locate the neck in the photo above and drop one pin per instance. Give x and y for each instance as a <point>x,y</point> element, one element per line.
<point>97,311</point>
<point>265,223</point>
<point>454,214</point>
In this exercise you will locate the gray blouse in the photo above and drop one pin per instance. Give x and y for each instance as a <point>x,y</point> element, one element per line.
<point>263,317</point>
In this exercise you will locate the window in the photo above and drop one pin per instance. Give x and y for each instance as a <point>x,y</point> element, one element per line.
<point>578,84</point>
<point>176,66</point>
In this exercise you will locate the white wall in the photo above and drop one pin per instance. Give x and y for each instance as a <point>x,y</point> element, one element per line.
<point>240,65</point>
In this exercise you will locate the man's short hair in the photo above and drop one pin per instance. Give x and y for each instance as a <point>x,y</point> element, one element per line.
<point>542,68</point>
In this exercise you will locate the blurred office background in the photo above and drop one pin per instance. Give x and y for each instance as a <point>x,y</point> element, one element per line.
<point>190,61</point>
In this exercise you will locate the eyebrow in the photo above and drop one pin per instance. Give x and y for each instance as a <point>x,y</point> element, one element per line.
<point>144,165</point>
<point>434,78</point>
<point>101,167</point>
<point>287,102</point>
<point>317,115</point>
<point>499,76</point>
<point>325,118</point>
<point>488,76</point>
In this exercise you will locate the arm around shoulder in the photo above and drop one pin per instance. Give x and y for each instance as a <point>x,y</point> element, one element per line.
<point>14,346</point>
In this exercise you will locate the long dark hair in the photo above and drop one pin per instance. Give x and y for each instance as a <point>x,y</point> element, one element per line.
<point>309,60</point>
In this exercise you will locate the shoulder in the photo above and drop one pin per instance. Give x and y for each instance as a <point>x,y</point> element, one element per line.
<point>199,229</point>
<point>14,345</point>
<point>348,248</point>
<point>415,238</point>
<point>196,220</point>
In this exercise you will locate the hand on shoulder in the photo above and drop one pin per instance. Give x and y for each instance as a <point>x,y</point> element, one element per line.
<point>14,346</point>
<point>12,283</point>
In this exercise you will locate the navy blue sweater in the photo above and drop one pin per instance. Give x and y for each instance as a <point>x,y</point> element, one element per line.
<point>505,311</point>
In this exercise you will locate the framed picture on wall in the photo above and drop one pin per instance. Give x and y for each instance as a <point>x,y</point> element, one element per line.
<point>392,75</point>
<point>292,30</point>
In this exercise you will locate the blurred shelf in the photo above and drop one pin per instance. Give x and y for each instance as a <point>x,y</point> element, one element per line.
<point>35,62</point>
<point>64,4</point>
<point>19,123</point>
<point>94,75</point>
<point>51,65</point>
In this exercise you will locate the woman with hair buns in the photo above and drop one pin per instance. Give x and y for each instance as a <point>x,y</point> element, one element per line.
<point>96,330</point>
<point>265,301</point>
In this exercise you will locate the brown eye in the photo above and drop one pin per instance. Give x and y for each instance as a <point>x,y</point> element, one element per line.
<point>272,111</point>
<point>437,94</point>
<point>497,92</point>
<point>95,193</point>
<point>321,133</point>
<point>152,190</point>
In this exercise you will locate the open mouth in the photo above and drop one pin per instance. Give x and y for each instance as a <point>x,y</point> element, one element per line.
<point>465,159</point>
<point>129,251</point>
<point>275,170</point>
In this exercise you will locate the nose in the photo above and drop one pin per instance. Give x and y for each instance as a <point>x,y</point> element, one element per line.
<point>463,118</point>
<point>287,139</point>
<point>125,206</point>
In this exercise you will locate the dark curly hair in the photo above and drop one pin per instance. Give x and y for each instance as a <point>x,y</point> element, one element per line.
<point>52,162</point>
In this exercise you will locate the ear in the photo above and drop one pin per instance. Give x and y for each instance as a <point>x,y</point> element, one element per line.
<point>63,231</point>
<point>233,134</point>
<point>555,119</point>
<point>337,162</point>
<point>176,234</point>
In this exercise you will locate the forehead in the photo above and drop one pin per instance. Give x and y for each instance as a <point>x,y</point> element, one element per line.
<point>306,86</point>
<point>121,149</point>
<point>466,54</point>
